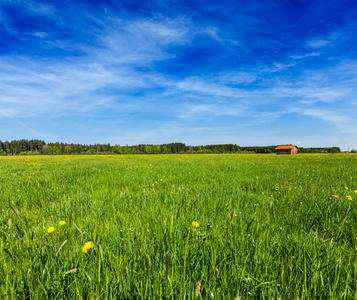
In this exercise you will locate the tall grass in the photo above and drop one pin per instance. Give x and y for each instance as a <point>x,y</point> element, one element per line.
<point>269,227</point>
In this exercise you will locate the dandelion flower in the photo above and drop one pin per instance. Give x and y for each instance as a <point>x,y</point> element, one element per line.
<point>349,197</point>
<point>51,229</point>
<point>87,246</point>
<point>356,191</point>
<point>346,187</point>
<point>195,224</point>
<point>62,223</point>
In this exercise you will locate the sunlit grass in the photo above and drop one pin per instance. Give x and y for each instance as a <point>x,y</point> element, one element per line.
<point>131,227</point>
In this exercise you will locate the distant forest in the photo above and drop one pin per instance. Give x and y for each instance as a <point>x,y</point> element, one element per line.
<point>39,147</point>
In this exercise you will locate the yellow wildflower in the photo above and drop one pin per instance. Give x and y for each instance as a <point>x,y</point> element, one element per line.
<point>195,224</point>
<point>62,223</point>
<point>87,246</point>
<point>349,197</point>
<point>346,187</point>
<point>51,229</point>
<point>356,191</point>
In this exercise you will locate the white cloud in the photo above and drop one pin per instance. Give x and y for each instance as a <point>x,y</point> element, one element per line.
<point>38,8</point>
<point>201,110</point>
<point>317,43</point>
<point>140,41</point>
<point>210,87</point>
<point>330,39</point>
<point>39,34</point>
<point>302,56</point>
<point>217,35</point>
<point>345,123</point>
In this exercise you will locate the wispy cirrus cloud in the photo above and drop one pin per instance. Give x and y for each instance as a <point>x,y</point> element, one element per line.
<point>317,43</point>
<point>301,56</point>
<point>344,122</point>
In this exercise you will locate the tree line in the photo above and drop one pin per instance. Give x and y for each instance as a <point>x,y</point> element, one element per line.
<point>39,147</point>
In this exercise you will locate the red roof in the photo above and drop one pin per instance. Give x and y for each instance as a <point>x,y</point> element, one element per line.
<point>286,147</point>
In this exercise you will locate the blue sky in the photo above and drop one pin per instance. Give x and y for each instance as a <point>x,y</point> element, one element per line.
<point>199,72</point>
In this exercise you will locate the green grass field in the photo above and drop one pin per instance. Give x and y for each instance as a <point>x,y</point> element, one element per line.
<point>269,227</point>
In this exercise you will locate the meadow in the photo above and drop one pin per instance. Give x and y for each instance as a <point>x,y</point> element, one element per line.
<point>178,227</point>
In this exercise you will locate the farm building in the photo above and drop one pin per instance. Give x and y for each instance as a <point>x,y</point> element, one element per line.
<point>287,149</point>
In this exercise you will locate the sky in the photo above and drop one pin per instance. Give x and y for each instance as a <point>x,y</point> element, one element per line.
<point>251,73</point>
